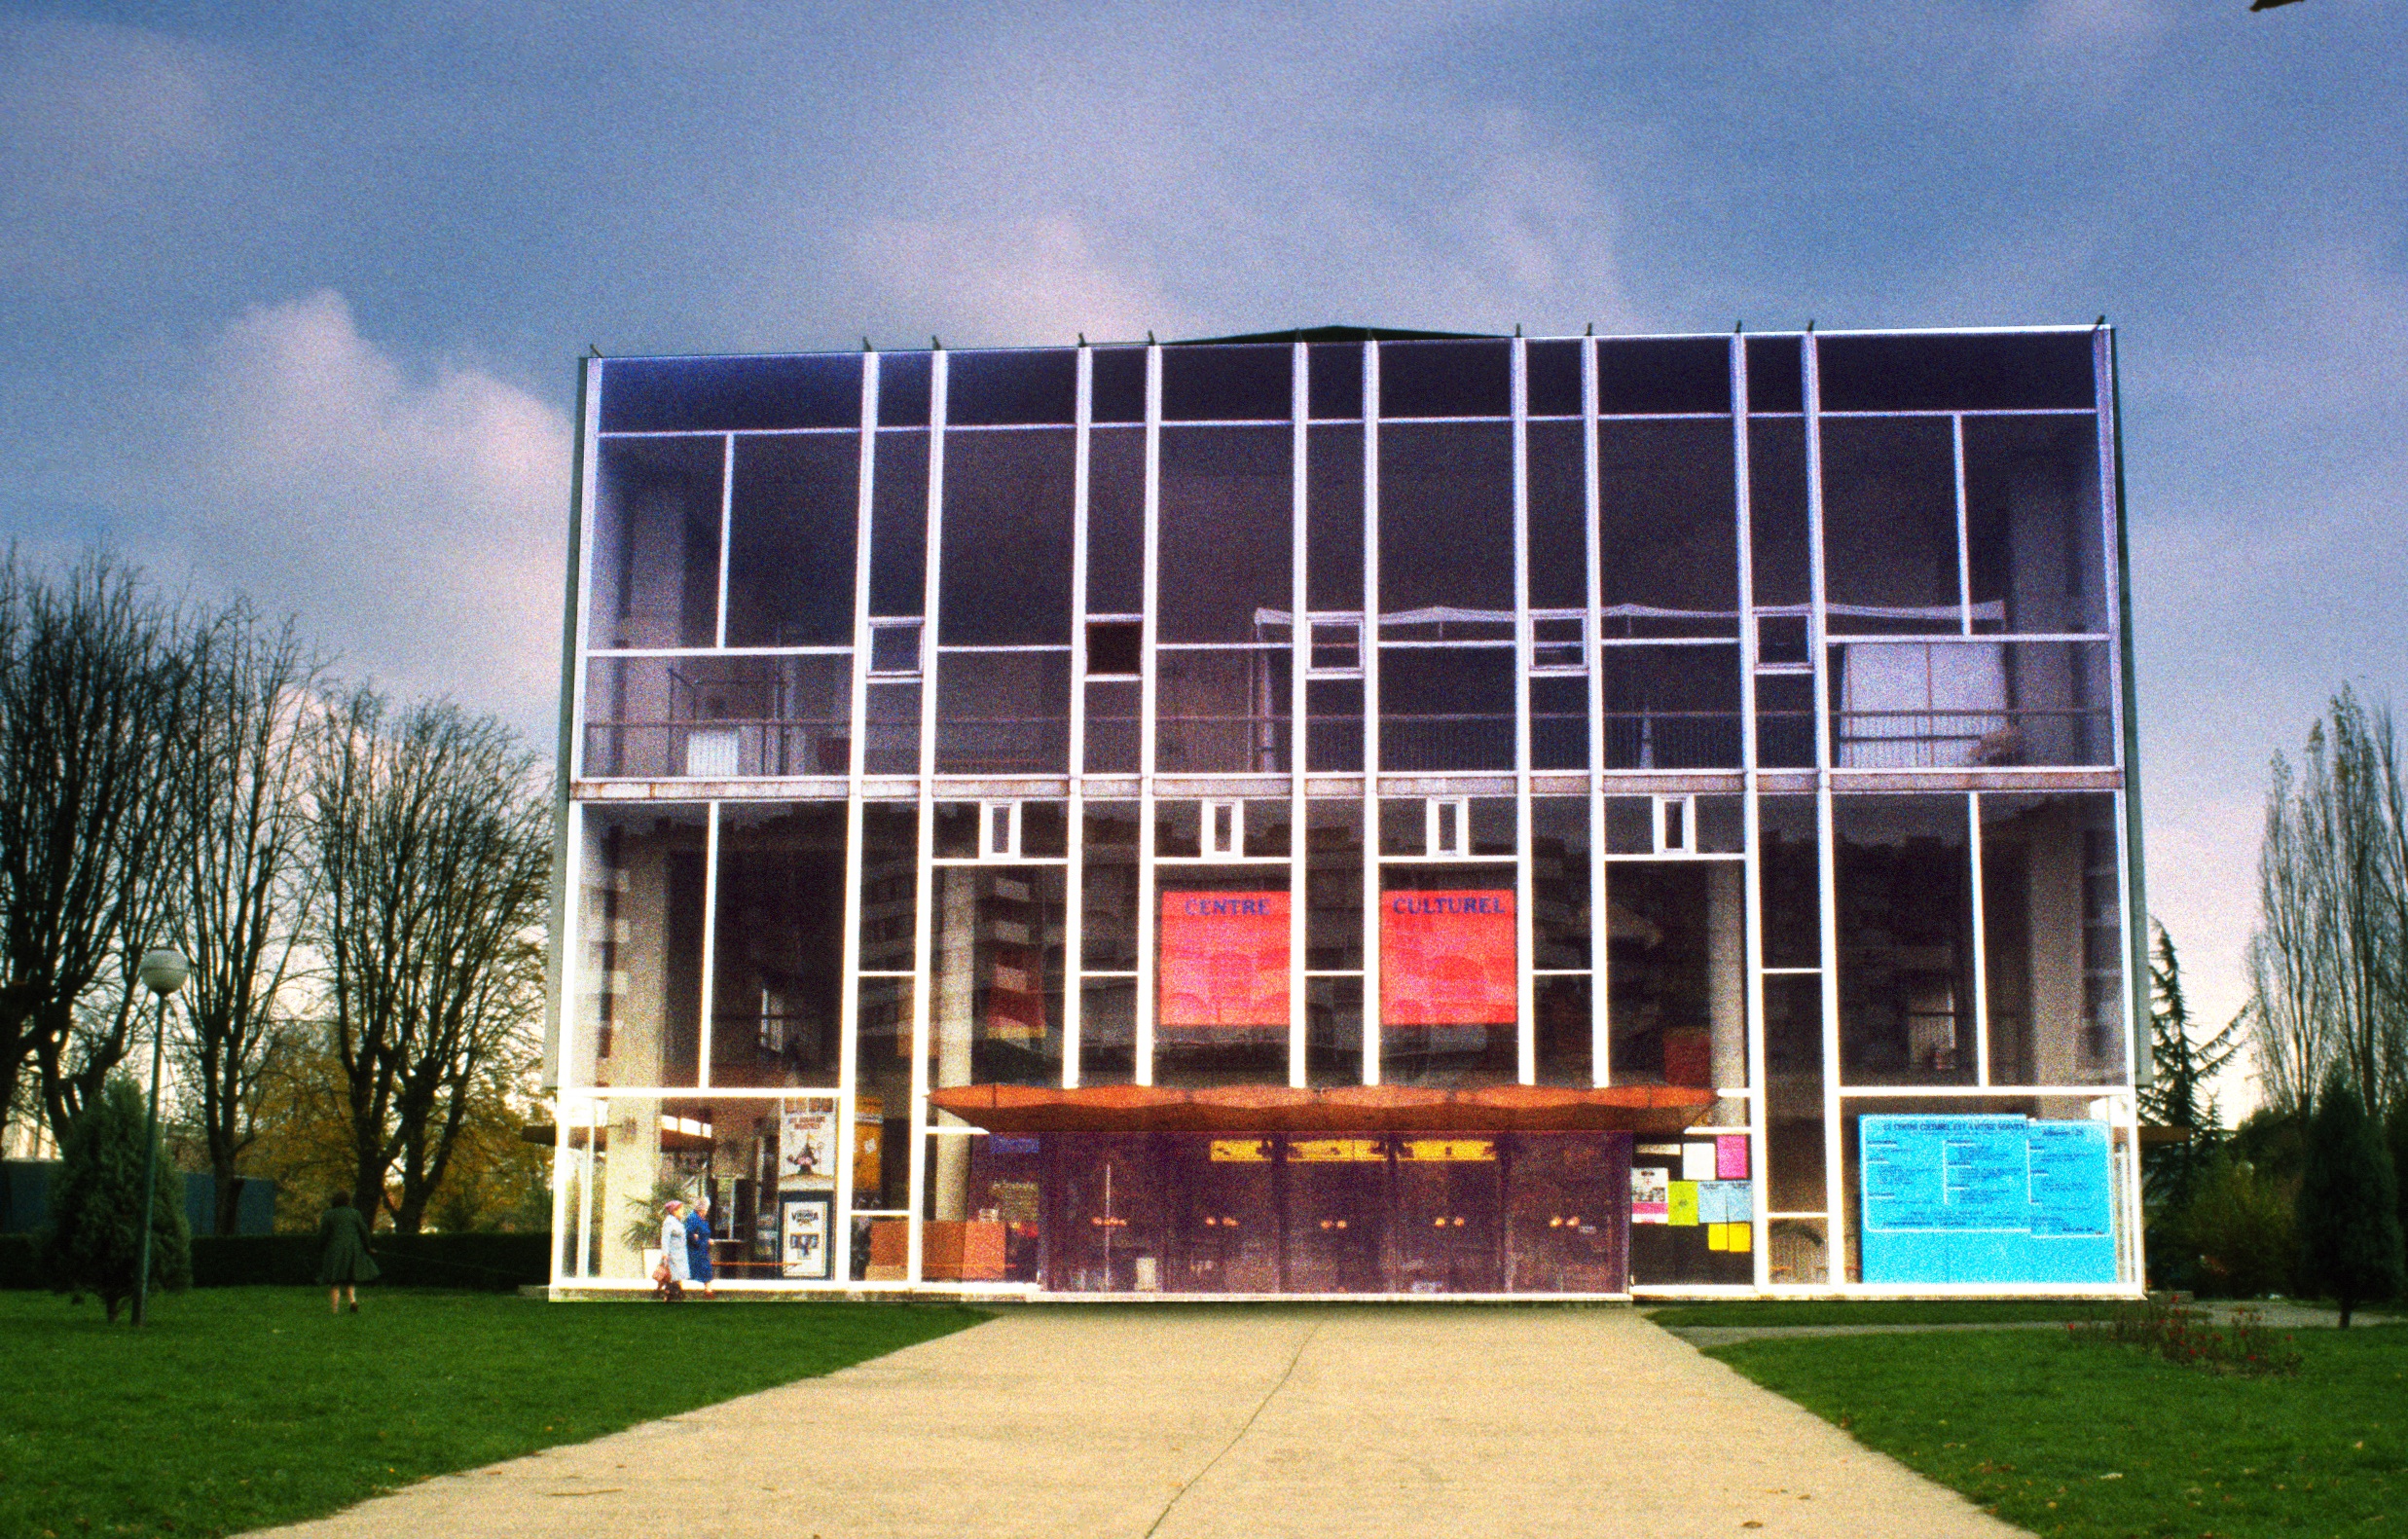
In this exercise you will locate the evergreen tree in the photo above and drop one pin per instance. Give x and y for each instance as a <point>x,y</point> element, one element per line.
<point>93,1240</point>
<point>2349,1204</point>
<point>2185,1063</point>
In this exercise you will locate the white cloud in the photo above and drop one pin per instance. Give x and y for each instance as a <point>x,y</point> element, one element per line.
<point>1041,279</point>
<point>416,524</point>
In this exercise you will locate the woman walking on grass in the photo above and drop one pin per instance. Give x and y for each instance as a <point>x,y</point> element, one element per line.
<point>343,1253</point>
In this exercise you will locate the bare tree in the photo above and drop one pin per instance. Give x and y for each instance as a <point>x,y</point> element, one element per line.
<point>2328,962</point>
<point>240,877</point>
<point>94,688</point>
<point>432,847</point>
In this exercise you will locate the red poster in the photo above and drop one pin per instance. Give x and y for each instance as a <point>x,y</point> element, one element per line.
<point>1447,959</point>
<point>1223,959</point>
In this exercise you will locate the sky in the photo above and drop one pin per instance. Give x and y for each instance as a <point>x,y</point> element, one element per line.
<point>291,295</point>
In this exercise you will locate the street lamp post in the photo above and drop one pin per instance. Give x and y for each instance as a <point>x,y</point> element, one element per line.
<point>162,971</point>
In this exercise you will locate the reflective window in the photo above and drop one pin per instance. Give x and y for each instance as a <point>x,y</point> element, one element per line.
<point>1917,704</point>
<point>1933,372</point>
<point>1551,374</point>
<point>1675,1001</point>
<point>1245,382</point>
<point>1445,518</point>
<point>1108,922</point>
<point>1559,856</point>
<point>640,988</point>
<point>2053,936</point>
<point>1790,883</point>
<point>1445,709</point>
<point>1336,373</point>
<point>1776,375</point>
<point>778,967</point>
<point>665,396</point>
<point>904,381</point>
<point>2033,524</point>
<point>996,975</point>
<point>882,1102</point>
<point>1116,520</point>
<point>792,524</point>
<point>719,717</point>
<point>1227,547</point>
<point>891,730</point>
<point>890,845</point>
<point>1890,526</point>
<point>1007,573</point>
<point>1674,707</point>
<point>1114,720</point>
<point>1669,528</point>
<point>656,542</point>
<point>1118,386</point>
<point>1906,939</point>
<point>1447,379</point>
<point>898,522</point>
<point>1333,887</point>
<point>1010,387</point>
<point>1221,712</point>
<point>1558,505</point>
<point>1333,519</point>
<point>1649,376</point>
<point>1003,713</point>
<point>1776,503</point>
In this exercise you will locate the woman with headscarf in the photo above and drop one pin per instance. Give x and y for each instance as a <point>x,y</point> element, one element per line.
<point>698,1239</point>
<point>672,1275</point>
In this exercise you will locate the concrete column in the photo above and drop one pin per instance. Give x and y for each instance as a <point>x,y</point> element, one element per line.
<point>951,1025</point>
<point>1726,967</point>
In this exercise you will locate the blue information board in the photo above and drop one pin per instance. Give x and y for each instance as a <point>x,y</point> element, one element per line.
<point>1986,1198</point>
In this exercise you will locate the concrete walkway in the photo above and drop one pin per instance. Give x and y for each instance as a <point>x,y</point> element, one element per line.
<point>1185,1423</point>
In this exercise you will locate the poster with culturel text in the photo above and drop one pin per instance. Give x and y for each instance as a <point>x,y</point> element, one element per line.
<point>1446,958</point>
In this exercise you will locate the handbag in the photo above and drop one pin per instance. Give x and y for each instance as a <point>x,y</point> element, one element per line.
<point>661,1273</point>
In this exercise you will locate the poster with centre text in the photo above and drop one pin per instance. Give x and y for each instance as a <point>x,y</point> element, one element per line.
<point>1447,959</point>
<point>1223,959</point>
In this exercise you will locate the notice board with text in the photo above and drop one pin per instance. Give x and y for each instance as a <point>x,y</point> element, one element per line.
<point>1986,1199</point>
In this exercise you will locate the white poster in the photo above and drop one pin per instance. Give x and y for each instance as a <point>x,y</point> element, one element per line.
<point>802,1237</point>
<point>1650,1195</point>
<point>806,1149</point>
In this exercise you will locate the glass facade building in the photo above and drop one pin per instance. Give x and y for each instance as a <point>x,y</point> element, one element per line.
<point>1354,814</point>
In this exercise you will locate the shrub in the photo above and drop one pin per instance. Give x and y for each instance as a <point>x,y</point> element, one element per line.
<point>2348,1205</point>
<point>94,1239</point>
<point>2193,1339</point>
<point>2237,1231</point>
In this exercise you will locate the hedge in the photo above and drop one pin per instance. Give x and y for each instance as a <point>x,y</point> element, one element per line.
<point>494,1263</point>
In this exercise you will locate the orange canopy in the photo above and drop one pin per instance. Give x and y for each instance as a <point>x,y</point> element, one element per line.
<point>1279,1109</point>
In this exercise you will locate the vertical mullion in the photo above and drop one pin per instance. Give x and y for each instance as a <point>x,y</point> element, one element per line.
<point>1751,825</point>
<point>1600,969</point>
<point>1980,939</point>
<point>589,465</point>
<point>585,1192</point>
<point>1964,548</point>
<point>727,525</point>
<point>923,870</point>
<point>1299,644</point>
<point>1835,1204</point>
<point>1525,1033</point>
<point>1075,813</point>
<point>1150,672</point>
<point>1370,659</point>
<point>710,947</point>
<point>849,1007</point>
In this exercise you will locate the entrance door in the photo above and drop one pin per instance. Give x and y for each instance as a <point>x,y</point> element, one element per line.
<point>1107,1219</point>
<point>1223,1210</point>
<point>1337,1208</point>
<point>1447,1207</point>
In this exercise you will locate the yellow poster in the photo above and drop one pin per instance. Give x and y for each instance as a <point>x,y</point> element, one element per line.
<point>1242,1151</point>
<point>1448,1149</point>
<point>1683,1206</point>
<point>1321,1150</point>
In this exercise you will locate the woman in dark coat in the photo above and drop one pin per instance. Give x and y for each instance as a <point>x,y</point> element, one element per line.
<point>698,1244</point>
<point>343,1263</point>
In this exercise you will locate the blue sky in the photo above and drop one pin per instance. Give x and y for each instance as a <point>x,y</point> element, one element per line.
<point>291,293</point>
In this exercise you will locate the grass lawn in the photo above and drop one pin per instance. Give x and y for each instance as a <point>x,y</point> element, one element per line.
<point>1875,1311</point>
<point>2103,1442</point>
<point>238,1408</point>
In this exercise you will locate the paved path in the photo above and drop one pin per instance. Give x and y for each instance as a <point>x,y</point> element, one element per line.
<point>1219,1425</point>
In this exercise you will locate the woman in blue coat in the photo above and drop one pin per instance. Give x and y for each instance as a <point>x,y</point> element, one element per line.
<point>698,1244</point>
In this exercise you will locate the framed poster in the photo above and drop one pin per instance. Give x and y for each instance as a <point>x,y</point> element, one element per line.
<point>807,1147</point>
<point>1223,959</point>
<point>804,1219</point>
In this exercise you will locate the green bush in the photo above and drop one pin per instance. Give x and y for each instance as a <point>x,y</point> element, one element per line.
<point>489,1263</point>
<point>2348,1205</point>
<point>20,1261</point>
<point>93,1242</point>
<point>2237,1231</point>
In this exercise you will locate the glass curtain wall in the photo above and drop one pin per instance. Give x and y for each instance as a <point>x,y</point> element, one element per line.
<point>1429,712</point>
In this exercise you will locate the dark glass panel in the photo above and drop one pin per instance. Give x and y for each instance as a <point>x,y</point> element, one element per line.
<point>1113,728</point>
<point>1930,373</point>
<point>2033,531</point>
<point>1776,507</point>
<point>996,975</point>
<point>1334,888</point>
<point>794,521</point>
<point>1675,1003</point>
<point>719,716</point>
<point>882,1101</point>
<point>1007,573</point>
<point>1492,826</point>
<point>642,967</point>
<point>1226,549</point>
<point>1904,940</point>
<point>1785,721</point>
<point>889,853</point>
<point>1108,1030</point>
<point>1336,372</point>
<point>1011,388</point>
<point>1656,376</point>
<point>1045,829</point>
<point>1667,529</point>
<point>1108,926</point>
<point>1115,648</point>
<point>656,542</point>
<point>904,382</point>
<point>898,523</point>
<point>1334,735</point>
<point>1221,712</point>
<point>1404,826</point>
<point>1447,517</point>
<point>1889,524</point>
<point>1565,1033</point>
<point>661,395</point>
<point>1445,709</point>
<point>891,730</point>
<point>1921,704</point>
<point>1560,854</point>
<point>1118,390</point>
<point>2052,934</point>
<point>1333,1030</point>
<point>1559,516</point>
<point>1671,707</point>
<point>1789,882</point>
<point>1551,376</point>
<point>1776,375</point>
<point>1003,713</point>
<point>1447,379</point>
<point>1117,520</point>
<point>1178,829</point>
<point>956,830</point>
<point>1559,723</point>
<point>1333,518</point>
<point>1249,382</point>
<point>778,988</point>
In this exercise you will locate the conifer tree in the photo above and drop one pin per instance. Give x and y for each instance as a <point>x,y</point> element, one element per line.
<point>2349,1218</point>
<point>94,1236</point>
